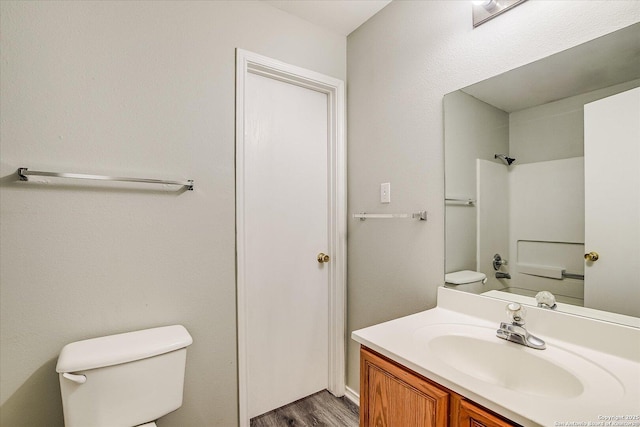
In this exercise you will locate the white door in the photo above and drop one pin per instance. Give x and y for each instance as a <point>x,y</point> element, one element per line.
<point>612,202</point>
<point>288,301</point>
<point>286,227</point>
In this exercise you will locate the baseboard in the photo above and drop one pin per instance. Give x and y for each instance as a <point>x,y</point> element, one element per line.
<point>350,394</point>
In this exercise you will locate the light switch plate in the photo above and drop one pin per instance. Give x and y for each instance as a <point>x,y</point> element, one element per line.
<point>385,192</point>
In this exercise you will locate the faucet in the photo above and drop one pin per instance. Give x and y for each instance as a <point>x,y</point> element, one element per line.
<point>501,275</point>
<point>515,331</point>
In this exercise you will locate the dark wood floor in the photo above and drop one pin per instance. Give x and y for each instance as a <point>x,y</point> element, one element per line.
<point>320,409</point>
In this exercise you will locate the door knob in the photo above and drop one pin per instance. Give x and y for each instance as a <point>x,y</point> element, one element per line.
<point>323,258</point>
<point>591,256</point>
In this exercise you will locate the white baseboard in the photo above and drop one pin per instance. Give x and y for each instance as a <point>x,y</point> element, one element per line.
<point>350,394</point>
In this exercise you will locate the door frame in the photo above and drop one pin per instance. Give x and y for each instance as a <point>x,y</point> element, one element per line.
<point>248,62</point>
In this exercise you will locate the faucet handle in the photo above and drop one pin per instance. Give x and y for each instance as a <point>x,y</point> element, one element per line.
<point>546,299</point>
<point>516,313</point>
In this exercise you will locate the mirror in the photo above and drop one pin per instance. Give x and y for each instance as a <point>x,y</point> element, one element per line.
<point>515,173</point>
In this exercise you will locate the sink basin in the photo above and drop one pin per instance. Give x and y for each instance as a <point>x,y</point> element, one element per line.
<point>510,366</point>
<point>588,373</point>
<point>553,373</point>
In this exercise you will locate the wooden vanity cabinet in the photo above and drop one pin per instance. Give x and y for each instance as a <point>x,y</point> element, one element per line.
<point>465,413</point>
<point>394,396</point>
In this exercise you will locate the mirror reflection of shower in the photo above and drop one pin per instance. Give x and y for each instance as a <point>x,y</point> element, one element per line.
<point>506,159</point>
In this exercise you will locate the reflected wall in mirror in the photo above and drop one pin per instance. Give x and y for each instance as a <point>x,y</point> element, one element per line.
<point>571,121</point>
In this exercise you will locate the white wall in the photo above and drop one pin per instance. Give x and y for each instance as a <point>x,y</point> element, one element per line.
<point>133,89</point>
<point>401,64</point>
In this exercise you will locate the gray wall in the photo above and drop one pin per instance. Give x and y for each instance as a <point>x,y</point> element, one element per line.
<point>401,64</point>
<point>473,130</point>
<point>132,89</point>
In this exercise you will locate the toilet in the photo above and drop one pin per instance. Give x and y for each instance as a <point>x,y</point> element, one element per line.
<point>123,380</point>
<point>466,280</point>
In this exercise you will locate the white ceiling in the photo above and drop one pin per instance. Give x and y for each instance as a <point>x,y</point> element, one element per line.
<point>341,16</point>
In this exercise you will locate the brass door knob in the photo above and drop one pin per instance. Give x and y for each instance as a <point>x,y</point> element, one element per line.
<point>591,256</point>
<point>323,258</point>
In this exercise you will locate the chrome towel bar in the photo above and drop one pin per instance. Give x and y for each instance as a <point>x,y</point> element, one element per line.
<point>24,174</point>
<point>469,202</point>
<point>422,215</point>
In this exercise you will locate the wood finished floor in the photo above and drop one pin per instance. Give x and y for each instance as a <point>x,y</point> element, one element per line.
<point>318,410</point>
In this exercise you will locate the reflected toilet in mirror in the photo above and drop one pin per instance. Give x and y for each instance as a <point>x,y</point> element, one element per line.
<point>466,280</point>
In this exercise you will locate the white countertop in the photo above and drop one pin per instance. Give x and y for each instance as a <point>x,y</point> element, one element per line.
<point>610,352</point>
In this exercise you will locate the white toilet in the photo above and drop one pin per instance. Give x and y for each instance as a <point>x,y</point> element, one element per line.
<point>466,280</point>
<point>123,380</point>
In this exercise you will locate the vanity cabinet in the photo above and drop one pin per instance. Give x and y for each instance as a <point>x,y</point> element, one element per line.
<point>465,413</point>
<point>394,396</point>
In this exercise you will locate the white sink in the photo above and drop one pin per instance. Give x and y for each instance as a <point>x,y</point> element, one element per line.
<point>507,365</point>
<point>551,373</point>
<point>589,371</point>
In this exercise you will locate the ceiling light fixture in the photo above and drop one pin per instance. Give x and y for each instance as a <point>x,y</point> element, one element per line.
<point>488,5</point>
<point>484,10</point>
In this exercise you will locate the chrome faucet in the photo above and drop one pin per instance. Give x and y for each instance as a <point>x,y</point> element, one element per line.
<point>515,331</point>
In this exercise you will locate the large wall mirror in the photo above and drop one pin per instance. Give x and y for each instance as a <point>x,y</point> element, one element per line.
<point>542,168</point>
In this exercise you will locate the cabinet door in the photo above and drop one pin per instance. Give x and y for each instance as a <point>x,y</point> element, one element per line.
<point>392,396</point>
<point>467,414</point>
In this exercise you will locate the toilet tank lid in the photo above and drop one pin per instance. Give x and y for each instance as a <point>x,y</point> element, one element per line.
<point>463,277</point>
<point>121,348</point>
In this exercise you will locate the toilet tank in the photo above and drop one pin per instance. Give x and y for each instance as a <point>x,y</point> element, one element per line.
<point>123,380</point>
